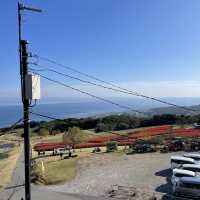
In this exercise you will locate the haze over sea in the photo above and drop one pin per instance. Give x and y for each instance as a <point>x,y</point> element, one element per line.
<point>11,113</point>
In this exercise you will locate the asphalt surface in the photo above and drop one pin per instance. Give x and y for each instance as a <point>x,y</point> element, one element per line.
<point>15,190</point>
<point>17,182</point>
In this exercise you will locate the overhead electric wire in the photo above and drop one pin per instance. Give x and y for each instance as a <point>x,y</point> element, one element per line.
<point>10,128</point>
<point>115,85</point>
<point>91,95</point>
<point>45,116</point>
<point>76,78</point>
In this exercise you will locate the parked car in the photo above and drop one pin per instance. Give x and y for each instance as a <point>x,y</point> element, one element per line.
<point>195,156</point>
<point>195,145</point>
<point>179,173</point>
<point>175,145</point>
<point>178,161</point>
<point>192,167</point>
<point>143,148</point>
<point>187,187</point>
<point>196,125</point>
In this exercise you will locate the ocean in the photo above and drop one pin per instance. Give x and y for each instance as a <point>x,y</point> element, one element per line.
<point>9,114</point>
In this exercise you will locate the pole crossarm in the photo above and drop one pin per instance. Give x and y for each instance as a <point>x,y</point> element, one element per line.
<point>29,8</point>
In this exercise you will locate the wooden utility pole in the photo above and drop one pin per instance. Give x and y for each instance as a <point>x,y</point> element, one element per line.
<point>23,57</point>
<point>27,161</point>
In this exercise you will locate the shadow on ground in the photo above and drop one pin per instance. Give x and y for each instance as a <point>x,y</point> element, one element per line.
<point>164,173</point>
<point>167,187</point>
<point>14,186</point>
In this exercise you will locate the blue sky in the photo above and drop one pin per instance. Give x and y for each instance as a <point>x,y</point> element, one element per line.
<point>150,46</point>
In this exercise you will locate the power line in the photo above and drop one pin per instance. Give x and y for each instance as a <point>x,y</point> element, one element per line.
<point>115,85</point>
<point>95,84</point>
<point>13,126</point>
<point>45,116</point>
<point>91,95</point>
<point>76,78</point>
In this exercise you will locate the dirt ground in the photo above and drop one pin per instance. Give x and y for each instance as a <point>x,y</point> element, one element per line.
<point>97,174</point>
<point>7,166</point>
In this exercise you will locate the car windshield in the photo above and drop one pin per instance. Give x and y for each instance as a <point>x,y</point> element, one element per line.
<point>192,169</point>
<point>183,175</point>
<point>190,185</point>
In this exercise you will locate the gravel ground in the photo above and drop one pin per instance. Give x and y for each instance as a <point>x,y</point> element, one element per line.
<point>97,174</point>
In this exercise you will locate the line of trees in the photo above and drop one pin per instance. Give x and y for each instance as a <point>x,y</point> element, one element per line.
<point>120,122</point>
<point>112,122</point>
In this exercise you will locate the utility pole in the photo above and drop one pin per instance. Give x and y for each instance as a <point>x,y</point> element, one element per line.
<point>27,161</point>
<point>23,58</point>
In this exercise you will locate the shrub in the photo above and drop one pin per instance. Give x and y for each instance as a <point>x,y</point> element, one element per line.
<point>111,146</point>
<point>37,173</point>
<point>3,156</point>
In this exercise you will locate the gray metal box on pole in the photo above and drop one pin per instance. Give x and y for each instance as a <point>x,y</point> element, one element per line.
<point>32,87</point>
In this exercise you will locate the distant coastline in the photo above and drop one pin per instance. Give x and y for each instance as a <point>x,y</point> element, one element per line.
<point>11,113</point>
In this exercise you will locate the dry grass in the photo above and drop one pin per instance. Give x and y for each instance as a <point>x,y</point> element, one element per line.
<point>8,165</point>
<point>48,138</point>
<point>57,171</point>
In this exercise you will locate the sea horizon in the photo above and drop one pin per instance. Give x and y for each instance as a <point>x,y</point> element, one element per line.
<point>10,113</point>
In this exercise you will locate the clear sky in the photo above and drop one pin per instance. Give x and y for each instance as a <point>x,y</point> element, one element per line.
<point>152,46</point>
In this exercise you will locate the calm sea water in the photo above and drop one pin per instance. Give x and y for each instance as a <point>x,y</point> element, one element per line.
<point>10,114</point>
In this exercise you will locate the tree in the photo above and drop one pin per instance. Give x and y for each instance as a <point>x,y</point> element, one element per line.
<point>73,136</point>
<point>101,127</point>
<point>122,126</point>
<point>181,120</point>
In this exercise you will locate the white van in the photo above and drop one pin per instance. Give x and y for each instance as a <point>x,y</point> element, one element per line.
<point>178,161</point>
<point>179,173</point>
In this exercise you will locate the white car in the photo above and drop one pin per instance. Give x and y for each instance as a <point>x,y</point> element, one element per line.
<point>178,161</point>
<point>195,156</point>
<point>179,173</point>
<point>192,167</point>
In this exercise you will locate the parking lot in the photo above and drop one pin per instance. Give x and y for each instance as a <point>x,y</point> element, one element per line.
<point>97,174</point>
